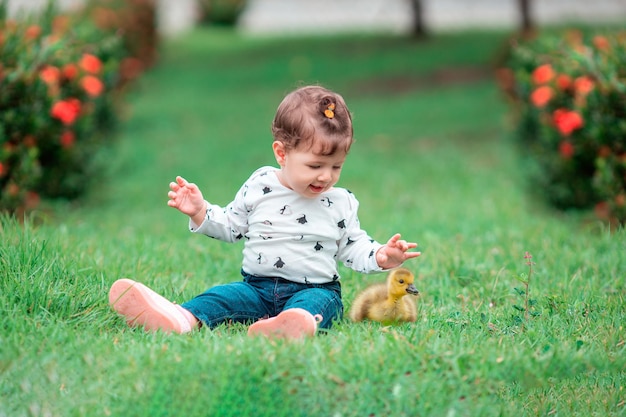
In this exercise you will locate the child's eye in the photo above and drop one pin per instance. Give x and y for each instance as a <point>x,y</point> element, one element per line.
<point>314,166</point>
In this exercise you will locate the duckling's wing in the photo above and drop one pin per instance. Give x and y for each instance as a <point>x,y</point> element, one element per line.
<point>362,304</point>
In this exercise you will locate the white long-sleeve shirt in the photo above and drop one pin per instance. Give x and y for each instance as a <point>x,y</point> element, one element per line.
<point>290,236</point>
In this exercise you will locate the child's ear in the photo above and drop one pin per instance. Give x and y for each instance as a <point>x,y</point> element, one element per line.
<point>279,152</point>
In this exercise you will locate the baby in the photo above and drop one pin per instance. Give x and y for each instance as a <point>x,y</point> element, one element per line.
<point>296,227</point>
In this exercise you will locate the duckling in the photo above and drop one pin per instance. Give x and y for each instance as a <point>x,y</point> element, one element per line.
<point>386,302</point>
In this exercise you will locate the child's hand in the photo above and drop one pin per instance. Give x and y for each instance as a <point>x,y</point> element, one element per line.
<point>394,253</point>
<point>187,198</point>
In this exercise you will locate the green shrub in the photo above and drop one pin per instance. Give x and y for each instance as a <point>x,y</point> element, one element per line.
<point>61,78</point>
<point>568,92</point>
<point>221,12</point>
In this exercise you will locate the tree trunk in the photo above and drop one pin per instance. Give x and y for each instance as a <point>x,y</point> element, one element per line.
<point>526,18</point>
<point>419,30</point>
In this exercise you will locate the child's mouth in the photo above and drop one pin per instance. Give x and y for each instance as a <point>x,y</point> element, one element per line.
<point>316,189</point>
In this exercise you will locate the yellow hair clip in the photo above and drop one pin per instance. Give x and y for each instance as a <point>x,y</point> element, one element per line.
<point>329,112</point>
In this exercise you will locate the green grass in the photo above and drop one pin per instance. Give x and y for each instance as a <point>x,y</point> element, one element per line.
<point>432,161</point>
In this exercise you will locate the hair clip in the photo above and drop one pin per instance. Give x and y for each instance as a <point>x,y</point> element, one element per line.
<point>330,111</point>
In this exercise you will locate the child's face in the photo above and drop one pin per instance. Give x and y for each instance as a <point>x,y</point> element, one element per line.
<point>306,172</point>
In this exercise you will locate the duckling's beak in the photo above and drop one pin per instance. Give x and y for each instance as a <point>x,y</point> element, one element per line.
<point>412,290</point>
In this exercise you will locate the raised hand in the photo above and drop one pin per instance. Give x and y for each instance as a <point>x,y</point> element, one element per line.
<point>186,197</point>
<point>394,252</point>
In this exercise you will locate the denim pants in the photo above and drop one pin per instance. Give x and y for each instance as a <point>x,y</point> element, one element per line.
<point>262,297</point>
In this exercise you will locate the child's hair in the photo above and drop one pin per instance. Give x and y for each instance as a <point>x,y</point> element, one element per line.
<point>313,116</point>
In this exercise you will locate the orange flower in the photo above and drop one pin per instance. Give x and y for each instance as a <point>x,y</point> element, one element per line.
<point>563,81</point>
<point>543,74</point>
<point>566,121</point>
<point>60,24</point>
<point>601,43</point>
<point>566,149</point>
<point>66,110</point>
<point>32,32</point>
<point>91,63</point>
<point>541,96</point>
<point>92,85</point>
<point>67,139</point>
<point>50,75</point>
<point>70,71</point>
<point>583,85</point>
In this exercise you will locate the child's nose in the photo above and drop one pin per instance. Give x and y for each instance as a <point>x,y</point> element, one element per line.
<point>325,176</point>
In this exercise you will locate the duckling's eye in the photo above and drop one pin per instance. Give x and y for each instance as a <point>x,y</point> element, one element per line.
<point>401,281</point>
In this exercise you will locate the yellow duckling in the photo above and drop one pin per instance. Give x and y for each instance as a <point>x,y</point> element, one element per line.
<point>386,302</point>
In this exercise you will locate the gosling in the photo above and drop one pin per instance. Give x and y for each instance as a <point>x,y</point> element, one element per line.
<point>387,302</point>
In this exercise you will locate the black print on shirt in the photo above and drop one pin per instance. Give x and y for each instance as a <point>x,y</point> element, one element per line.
<point>342,224</point>
<point>327,202</point>
<point>302,220</point>
<point>350,241</point>
<point>267,190</point>
<point>279,263</point>
<point>285,210</point>
<point>318,246</point>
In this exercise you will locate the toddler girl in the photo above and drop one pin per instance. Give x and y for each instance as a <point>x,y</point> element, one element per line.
<point>295,224</point>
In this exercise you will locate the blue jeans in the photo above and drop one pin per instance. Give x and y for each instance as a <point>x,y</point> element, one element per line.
<point>262,297</point>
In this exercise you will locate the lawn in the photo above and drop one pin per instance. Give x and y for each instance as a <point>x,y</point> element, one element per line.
<point>433,160</point>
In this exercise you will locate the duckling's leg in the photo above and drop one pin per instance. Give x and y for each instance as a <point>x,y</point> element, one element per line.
<point>294,323</point>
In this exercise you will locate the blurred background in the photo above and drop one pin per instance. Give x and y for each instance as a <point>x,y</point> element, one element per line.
<point>334,16</point>
<point>549,71</point>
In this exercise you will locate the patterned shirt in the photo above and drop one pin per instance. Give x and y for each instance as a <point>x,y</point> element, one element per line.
<point>290,236</point>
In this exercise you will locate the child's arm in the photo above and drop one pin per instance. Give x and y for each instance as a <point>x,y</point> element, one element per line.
<point>187,198</point>
<point>394,252</point>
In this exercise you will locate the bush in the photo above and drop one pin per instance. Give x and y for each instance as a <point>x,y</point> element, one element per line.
<point>568,92</point>
<point>61,78</point>
<point>221,12</point>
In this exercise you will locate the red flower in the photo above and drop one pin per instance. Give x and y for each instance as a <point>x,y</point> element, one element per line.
<point>70,71</point>
<point>566,149</point>
<point>563,81</point>
<point>66,110</point>
<point>1,170</point>
<point>541,96</point>
<point>601,43</point>
<point>92,85</point>
<point>543,74</point>
<point>67,139</point>
<point>566,121</point>
<point>32,32</point>
<point>50,75</point>
<point>91,63</point>
<point>583,85</point>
